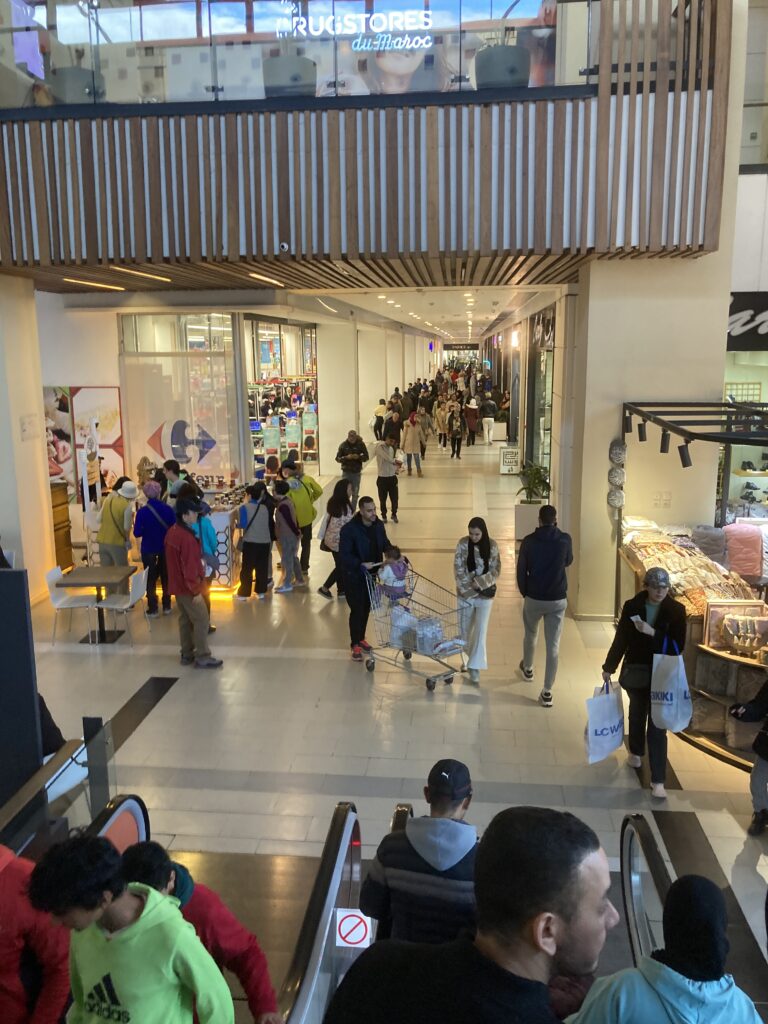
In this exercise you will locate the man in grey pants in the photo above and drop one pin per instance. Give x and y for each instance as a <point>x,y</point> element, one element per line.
<point>544,556</point>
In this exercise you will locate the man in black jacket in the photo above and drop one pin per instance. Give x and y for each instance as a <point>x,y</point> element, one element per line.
<point>421,881</point>
<point>351,455</point>
<point>361,547</point>
<point>541,886</point>
<point>544,556</point>
<point>756,710</point>
<point>393,427</point>
<point>488,410</point>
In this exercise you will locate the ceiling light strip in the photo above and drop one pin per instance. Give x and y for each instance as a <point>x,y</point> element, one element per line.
<point>94,284</point>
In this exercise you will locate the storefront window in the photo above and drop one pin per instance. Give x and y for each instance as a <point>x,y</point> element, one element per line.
<point>180,394</point>
<point>541,344</point>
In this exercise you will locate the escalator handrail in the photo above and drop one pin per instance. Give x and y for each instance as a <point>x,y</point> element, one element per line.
<point>635,829</point>
<point>107,813</point>
<point>343,835</point>
<point>38,782</point>
<point>400,818</point>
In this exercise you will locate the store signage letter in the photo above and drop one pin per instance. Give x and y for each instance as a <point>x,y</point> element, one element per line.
<point>748,322</point>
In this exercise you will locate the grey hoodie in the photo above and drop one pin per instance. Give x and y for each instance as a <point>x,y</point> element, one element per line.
<point>442,842</point>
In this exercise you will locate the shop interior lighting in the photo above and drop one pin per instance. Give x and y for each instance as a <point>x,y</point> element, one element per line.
<point>685,455</point>
<point>664,446</point>
<point>397,305</point>
<point>390,302</point>
<point>268,280</point>
<point>142,273</point>
<point>467,295</point>
<point>381,296</point>
<point>627,422</point>
<point>95,284</point>
<point>515,339</point>
<point>642,434</point>
<point>325,304</point>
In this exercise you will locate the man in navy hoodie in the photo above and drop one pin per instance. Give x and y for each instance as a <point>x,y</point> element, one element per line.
<point>544,556</point>
<point>420,884</point>
<point>362,543</point>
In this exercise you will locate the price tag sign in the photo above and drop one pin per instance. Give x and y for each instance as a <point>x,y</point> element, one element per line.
<point>353,929</point>
<point>509,461</point>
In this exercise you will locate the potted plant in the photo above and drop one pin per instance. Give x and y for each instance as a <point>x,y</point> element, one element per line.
<point>536,487</point>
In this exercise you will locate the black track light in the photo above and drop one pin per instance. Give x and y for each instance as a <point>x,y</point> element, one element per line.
<point>627,422</point>
<point>641,431</point>
<point>685,455</point>
<point>664,447</point>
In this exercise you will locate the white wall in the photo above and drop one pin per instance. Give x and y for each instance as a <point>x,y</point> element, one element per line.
<point>372,372</point>
<point>409,342</point>
<point>395,361</point>
<point>337,386</point>
<point>26,522</point>
<point>750,251</point>
<point>76,348</point>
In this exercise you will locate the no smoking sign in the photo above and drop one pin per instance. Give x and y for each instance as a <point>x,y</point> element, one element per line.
<point>353,929</point>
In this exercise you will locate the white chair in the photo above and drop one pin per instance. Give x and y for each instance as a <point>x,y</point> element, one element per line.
<point>121,604</point>
<point>62,601</point>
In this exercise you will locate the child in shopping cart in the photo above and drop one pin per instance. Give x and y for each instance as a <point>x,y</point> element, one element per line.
<point>393,574</point>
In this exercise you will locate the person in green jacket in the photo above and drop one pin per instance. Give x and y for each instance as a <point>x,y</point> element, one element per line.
<point>133,958</point>
<point>304,492</point>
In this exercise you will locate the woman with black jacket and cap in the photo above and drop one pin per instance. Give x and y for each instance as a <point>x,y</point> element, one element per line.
<point>686,980</point>
<point>648,621</point>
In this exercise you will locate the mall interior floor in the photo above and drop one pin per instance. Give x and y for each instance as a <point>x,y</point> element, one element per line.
<point>252,758</point>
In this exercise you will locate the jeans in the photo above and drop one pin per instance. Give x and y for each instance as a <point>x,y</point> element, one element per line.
<point>488,429</point>
<point>414,456</point>
<point>387,488</point>
<point>157,571</point>
<point>354,479</point>
<point>306,546</point>
<point>291,565</point>
<point>758,784</point>
<point>335,575</point>
<point>377,427</point>
<point>553,613</point>
<point>640,725</point>
<point>456,447</point>
<point>441,440</point>
<point>114,554</point>
<point>473,622</point>
<point>193,626</point>
<point>255,559</point>
<point>356,593</point>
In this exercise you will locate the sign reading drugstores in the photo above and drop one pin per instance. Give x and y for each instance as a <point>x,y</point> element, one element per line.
<point>748,322</point>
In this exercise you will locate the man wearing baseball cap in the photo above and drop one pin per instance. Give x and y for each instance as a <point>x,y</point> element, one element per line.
<point>420,883</point>
<point>647,620</point>
<point>186,575</point>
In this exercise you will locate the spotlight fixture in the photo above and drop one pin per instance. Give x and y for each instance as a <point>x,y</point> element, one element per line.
<point>664,446</point>
<point>627,422</point>
<point>685,455</point>
<point>642,434</point>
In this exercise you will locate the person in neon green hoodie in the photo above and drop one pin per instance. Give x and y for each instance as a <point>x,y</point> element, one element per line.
<point>133,957</point>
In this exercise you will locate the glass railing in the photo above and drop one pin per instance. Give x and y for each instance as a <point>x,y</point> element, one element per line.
<point>645,882</point>
<point>163,51</point>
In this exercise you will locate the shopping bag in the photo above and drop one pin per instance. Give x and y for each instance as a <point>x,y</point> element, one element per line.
<point>429,633</point>
<point>671,706</point>
<point>402,633</point>
<point>605,723</point>
<point>322,527</point>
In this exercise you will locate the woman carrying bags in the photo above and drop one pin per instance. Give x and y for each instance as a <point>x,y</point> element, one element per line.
<point>411,443</point>
<point>649,621</point>
<point>476,568</point>
<point>339,511</point>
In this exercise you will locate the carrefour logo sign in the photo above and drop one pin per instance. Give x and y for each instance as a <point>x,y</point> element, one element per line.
<point>393,30</point>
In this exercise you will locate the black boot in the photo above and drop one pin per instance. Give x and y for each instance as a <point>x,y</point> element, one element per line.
<point>759,823</point>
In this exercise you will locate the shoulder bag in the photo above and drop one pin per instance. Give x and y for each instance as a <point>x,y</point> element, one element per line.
<point>635,677</point>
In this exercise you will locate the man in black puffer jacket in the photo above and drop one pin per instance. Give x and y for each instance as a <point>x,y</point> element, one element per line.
<point>420,885</point>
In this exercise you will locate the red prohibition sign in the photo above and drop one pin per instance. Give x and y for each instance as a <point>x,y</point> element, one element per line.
<point>349,927</point>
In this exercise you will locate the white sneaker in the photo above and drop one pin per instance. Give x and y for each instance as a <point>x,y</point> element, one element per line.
<point>634,761</point>
<point>658,791</point>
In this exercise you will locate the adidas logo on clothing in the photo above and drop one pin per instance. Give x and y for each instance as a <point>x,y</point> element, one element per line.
<point>102,1002</point>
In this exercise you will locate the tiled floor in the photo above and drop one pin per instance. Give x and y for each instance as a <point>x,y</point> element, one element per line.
<point>253,757</point>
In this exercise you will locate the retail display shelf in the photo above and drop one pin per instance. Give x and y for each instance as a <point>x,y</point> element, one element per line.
<point>729,656</point>
<point>749,472</point>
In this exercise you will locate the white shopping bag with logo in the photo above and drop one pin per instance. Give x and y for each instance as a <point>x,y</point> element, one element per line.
<point>605,723</point>
<point>671,706</point>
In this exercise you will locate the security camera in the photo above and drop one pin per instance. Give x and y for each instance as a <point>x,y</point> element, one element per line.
<point>284,247</point>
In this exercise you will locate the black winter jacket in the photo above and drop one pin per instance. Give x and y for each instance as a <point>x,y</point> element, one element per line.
<point>541,564</point>
<point>637,648</point>
<point>346,449</point>
<point>359,543</point>
<point>754,710</point>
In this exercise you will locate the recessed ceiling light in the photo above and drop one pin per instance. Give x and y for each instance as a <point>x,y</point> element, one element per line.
<point>381,296</point>
<point>467,295</point>
<point>267,280</point>
<point>390,302</point>
<point>95,284</point>
<point>142,273</point>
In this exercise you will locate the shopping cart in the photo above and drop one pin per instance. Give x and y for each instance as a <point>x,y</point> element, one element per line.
<point>425,619</point>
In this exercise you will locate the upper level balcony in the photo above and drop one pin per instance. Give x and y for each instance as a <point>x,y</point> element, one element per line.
<point>396,141</point>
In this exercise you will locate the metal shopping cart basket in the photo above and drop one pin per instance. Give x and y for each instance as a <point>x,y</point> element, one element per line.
<point>421,618</point>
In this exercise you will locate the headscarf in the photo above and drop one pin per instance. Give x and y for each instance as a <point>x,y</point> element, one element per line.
<point>412,419</point>
<point>695,929</point>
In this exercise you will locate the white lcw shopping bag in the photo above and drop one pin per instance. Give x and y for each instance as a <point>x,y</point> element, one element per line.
<point>671,706</point>
<point>605,723</point>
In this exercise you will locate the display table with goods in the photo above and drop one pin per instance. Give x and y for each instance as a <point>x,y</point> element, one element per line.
<point>224,517</point>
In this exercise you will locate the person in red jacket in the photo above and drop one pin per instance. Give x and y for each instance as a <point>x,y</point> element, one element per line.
<point>228,941</point>
<point>34,952</point>
<point>186,576</point>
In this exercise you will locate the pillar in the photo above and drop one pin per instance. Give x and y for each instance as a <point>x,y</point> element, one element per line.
<point>372,374</point>
<point>410,375</point>
<point>26,521</point>
<point>337,386</point>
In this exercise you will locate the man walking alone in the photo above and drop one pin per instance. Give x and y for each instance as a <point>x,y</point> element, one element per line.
<point>544,556</point>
